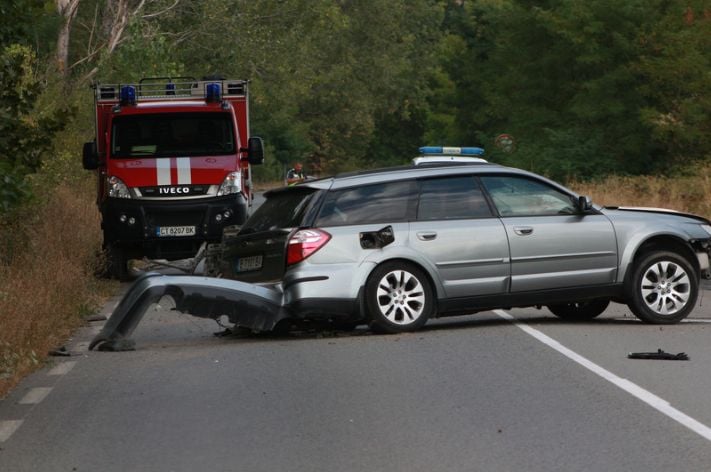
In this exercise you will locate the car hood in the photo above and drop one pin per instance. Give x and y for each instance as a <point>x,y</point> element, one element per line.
<point>641,211</point>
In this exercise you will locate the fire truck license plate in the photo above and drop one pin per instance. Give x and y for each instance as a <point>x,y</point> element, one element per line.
<point>163,231</point>
<point>249,263</point>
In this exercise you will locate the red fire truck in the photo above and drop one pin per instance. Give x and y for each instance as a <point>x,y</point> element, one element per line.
<point>172,157</point>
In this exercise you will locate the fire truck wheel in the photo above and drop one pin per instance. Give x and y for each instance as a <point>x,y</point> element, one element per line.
<point>116,262</point>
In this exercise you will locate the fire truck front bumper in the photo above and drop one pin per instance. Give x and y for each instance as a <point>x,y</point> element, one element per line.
<point>247,305</point>
<point>169,228</point>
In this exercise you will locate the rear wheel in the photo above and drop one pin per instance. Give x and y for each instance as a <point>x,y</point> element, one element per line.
<point>398,297</point>
<point>663,288</point>
<point>580,311</point>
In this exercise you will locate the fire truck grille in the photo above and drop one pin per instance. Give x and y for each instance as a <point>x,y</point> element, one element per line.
<point>176,191</point>
<point>165,218</point>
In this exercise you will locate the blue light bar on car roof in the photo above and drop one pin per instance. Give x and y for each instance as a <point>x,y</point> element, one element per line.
<point>459,151</point>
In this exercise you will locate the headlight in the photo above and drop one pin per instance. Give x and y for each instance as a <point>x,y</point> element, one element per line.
<point>706,228</point>
<point>117,189</point>
<point>232,184</point>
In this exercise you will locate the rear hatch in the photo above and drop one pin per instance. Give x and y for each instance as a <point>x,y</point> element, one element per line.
<point>258,253</point>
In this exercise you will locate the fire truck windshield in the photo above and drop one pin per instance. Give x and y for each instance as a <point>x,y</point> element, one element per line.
<point>171,135</point>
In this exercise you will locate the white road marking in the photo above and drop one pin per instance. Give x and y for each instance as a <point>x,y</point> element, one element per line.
<point>62,368</point>
<point>35,395</point>
<point>635,390</point>
<point>7,428</point>
<point>83,346</point>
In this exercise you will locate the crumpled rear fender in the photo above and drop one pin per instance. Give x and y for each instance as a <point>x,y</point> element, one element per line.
<point>247,305</point>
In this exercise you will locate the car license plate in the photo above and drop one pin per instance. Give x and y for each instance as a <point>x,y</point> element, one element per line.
<point>163,231</point>
<point>249,263</point>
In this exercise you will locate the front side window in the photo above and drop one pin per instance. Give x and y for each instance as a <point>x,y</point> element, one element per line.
<point>452,198</point>
<point>171,135</point>
<point>521,196</point>
<point>380,203</point>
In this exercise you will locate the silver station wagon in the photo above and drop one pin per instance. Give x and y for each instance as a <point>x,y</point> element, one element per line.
<point>445,236</point>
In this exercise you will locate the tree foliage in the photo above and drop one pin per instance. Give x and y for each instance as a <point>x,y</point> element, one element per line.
<point>585,88</point>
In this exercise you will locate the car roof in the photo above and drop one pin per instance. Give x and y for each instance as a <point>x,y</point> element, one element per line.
<point>429,169</point>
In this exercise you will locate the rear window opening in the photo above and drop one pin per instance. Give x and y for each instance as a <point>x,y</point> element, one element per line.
<point>282,209</point>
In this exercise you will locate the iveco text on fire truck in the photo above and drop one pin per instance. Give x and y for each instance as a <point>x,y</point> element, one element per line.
<point>173,159</point>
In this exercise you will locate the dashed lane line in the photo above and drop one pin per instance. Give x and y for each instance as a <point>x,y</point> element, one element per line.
<point>7,428</point>
<point>35,395</point>
<point>633,389</point>
<point>62,368</point>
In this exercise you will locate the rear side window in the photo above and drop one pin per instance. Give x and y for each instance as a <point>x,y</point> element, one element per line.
<point>452,198</point>
<point>284,209</point>
<point>380,203</point>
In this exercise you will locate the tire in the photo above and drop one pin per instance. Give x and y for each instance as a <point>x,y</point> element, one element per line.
<point>580,311</point>
<point>663,288</point>
<point>116,263</point>
<point>399,298</point>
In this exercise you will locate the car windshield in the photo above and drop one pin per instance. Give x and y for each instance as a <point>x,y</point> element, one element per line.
<point>283,209</point>
<point>170,135</point>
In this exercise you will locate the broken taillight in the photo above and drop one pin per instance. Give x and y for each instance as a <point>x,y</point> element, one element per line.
<point>305,242</point>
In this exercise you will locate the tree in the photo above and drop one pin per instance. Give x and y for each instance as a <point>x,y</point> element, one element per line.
<point>67,10</point>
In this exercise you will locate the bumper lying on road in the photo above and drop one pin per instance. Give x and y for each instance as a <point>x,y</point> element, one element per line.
<point>247,305</point>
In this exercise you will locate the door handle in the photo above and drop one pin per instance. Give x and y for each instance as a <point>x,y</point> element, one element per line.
<point>426,235</point>
<point>523,230</point>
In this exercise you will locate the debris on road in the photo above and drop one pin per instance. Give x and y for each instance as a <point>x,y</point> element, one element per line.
<point>659,355</point>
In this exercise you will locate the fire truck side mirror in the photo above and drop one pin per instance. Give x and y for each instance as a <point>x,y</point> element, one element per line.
<point>255,150</point>
<point>90,157</point>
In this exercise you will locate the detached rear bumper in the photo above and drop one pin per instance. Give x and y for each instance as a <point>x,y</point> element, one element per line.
<point>247,305</point>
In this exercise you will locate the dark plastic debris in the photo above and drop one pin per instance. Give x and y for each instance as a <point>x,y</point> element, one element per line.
<point>660,355</point>
<point>60,352</point>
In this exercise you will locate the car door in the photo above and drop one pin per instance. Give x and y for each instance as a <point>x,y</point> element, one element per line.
<point>553,245</point>
<point>457,232</point>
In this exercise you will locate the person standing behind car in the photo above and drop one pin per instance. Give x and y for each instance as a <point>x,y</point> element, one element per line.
<point>295,175</point>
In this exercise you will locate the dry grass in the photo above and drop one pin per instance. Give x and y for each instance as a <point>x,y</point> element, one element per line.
<point>47,281</point>
<point>690,194</point>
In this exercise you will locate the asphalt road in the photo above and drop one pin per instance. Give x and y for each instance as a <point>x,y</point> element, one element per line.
<point>475,393</point>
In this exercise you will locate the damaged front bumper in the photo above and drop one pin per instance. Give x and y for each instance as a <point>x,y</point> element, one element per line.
<point>246,305</point>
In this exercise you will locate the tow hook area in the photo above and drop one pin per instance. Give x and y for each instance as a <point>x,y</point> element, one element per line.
<point>246,305</point>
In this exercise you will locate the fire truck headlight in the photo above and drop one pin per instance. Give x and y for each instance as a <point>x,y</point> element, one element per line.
<point>231,184</point>
<point>116,187</point>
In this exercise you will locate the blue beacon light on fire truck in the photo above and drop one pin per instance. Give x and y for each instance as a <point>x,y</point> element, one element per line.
<point>213,92</point>
<point>127,96</point>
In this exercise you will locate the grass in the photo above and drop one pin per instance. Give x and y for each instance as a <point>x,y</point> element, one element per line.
<point>48,260</point>
<point>47,279</point>
<point>691,194</point>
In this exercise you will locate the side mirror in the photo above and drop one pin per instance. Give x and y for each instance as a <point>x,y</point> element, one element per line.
<point>255,150</point>
<point>90,156</point>
<point>584,204</point>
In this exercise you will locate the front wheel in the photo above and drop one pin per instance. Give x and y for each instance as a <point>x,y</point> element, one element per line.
<point>663,288</point>
<point>580,311</point>
<point>399,298</point>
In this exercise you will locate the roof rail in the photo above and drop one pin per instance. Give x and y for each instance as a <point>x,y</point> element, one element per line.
<point>169,88</point>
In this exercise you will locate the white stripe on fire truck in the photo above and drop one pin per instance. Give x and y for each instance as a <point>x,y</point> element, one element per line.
<point>184,175</point>
<point>163,172</point>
